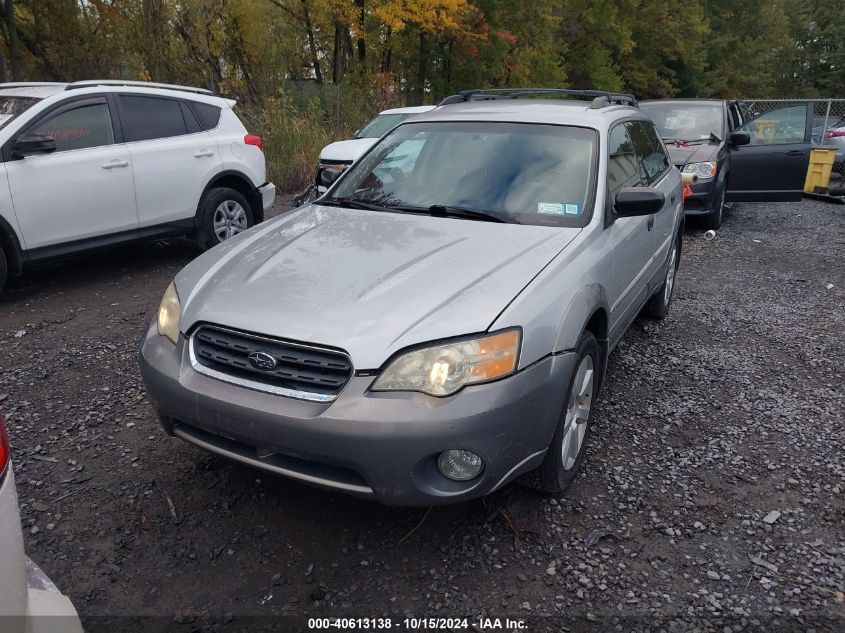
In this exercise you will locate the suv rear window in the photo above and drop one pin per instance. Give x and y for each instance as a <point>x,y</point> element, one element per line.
<point>10,107</point>
<point>208,114</point>
<point>146,118</point>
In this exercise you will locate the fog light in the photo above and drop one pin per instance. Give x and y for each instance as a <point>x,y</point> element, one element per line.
<point>460,465</point>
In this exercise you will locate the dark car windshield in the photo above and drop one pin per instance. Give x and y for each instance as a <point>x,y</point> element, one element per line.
<point>381,125</point>
<point>10,107</point>
<point>686,121</point>
<point>524,173</point>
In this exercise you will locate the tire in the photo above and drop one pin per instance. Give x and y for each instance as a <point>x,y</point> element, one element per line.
<point>557,472</point>
<point>714,220</point>
<point>4,269</point>
<point>223,213</point>
<point>658,306</point>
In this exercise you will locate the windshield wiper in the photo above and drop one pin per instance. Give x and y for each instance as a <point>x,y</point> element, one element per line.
<point>445,210</point>
<point>437,210</point>
<point>354,203</point>
<point>711,139</point>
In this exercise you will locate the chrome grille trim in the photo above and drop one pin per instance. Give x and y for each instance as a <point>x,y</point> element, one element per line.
<point>263,386</point>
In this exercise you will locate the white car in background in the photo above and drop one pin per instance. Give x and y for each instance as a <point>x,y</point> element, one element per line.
<point>29,601</point>
<point>95,163</point>
<point>343,153</point>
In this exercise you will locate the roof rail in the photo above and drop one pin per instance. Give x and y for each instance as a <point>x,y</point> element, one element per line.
<point>599,98</point>
<point>30,84</point>
<point>90,83</point>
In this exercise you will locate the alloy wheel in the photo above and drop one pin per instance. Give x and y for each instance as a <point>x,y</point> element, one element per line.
<point>229,220</point>
<point>578,412</point>
<point>669,284</point>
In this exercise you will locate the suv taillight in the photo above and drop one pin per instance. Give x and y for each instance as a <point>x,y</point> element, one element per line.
<point>835,133</point>
<point>4,448</point>
<point>254,139</point>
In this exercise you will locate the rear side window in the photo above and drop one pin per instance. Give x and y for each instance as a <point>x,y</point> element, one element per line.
<point>146,118</point>
<point>191,123</point>
<point>650,150</point>
<point>208,114</point>
<point>79,128</point>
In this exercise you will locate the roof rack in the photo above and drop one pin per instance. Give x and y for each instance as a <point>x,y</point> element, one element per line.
<point>138,84</point>
<point>599,98</point>
<point>31,84</point>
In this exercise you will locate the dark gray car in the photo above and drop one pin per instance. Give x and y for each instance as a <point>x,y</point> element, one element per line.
<point>438,324</point>
<point>737,155</point>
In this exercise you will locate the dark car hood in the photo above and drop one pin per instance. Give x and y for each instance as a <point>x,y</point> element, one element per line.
<point>368,282</point>
<point>698,153</point>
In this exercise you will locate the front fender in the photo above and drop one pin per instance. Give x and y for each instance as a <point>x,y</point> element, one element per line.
<point>580,310</point>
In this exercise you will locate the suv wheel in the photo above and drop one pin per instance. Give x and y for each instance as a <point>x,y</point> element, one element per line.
<point>566,452</point>
<point>714,220</point>
<point>658,306</point>
<point>3,269</point>
<point>223,213</point>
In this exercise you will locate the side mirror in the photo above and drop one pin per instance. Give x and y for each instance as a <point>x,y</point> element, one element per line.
<point>329,175</point>
<point>31,144</point>
<point>740,138</point>
<point>634,201</point>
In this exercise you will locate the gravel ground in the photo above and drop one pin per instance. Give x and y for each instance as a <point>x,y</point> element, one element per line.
<point>714,477</point>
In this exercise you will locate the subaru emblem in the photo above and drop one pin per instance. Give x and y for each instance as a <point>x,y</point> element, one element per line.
<point>262,361</point>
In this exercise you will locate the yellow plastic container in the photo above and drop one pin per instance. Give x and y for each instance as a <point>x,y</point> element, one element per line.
<point>818,173</point>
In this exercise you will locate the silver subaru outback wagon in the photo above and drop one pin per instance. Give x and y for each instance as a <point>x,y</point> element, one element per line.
<point>438,323</point>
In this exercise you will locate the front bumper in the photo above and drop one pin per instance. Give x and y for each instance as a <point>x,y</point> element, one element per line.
<point>703,200</point>
<point>377,445</point>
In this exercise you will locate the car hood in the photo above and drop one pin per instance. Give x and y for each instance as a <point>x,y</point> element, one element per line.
<point>347,150</point>
<point>368,282</point>
<point>698,153</point>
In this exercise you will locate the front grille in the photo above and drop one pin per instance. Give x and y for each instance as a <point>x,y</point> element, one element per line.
<point>312,373</point>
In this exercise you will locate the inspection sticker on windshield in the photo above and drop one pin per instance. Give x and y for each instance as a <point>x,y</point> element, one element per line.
<point>570,208</point>
<point>550,207</point>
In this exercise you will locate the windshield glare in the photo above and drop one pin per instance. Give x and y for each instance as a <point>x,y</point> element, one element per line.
<point>381,125</point>
<point>10,107</point>
<point>529,173</point>
<point>686,122</point>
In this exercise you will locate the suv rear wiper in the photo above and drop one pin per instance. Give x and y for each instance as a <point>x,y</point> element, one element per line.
<point>445,210</point>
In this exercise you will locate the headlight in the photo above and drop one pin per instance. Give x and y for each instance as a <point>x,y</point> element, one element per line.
<point>702,170</point>
<point>168,314</point>
<point>444,369</point>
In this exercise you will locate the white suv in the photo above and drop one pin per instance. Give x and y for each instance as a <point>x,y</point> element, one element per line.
<point>95,163</point>
<point>341,154</point>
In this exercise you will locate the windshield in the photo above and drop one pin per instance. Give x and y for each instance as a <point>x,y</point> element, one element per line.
<point>381,125</point>
<point>10,107</point>
<point>686,121</point>
<point>523,173</point>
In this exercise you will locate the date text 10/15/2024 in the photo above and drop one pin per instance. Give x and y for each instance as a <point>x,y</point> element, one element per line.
<point>418,624</point>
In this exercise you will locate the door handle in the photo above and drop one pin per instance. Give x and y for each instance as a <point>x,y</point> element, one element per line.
<point>115,163</point>
<point>672,198</point>
<point>796,152</point>
<point>650,222</point>
<point>203,153</point>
